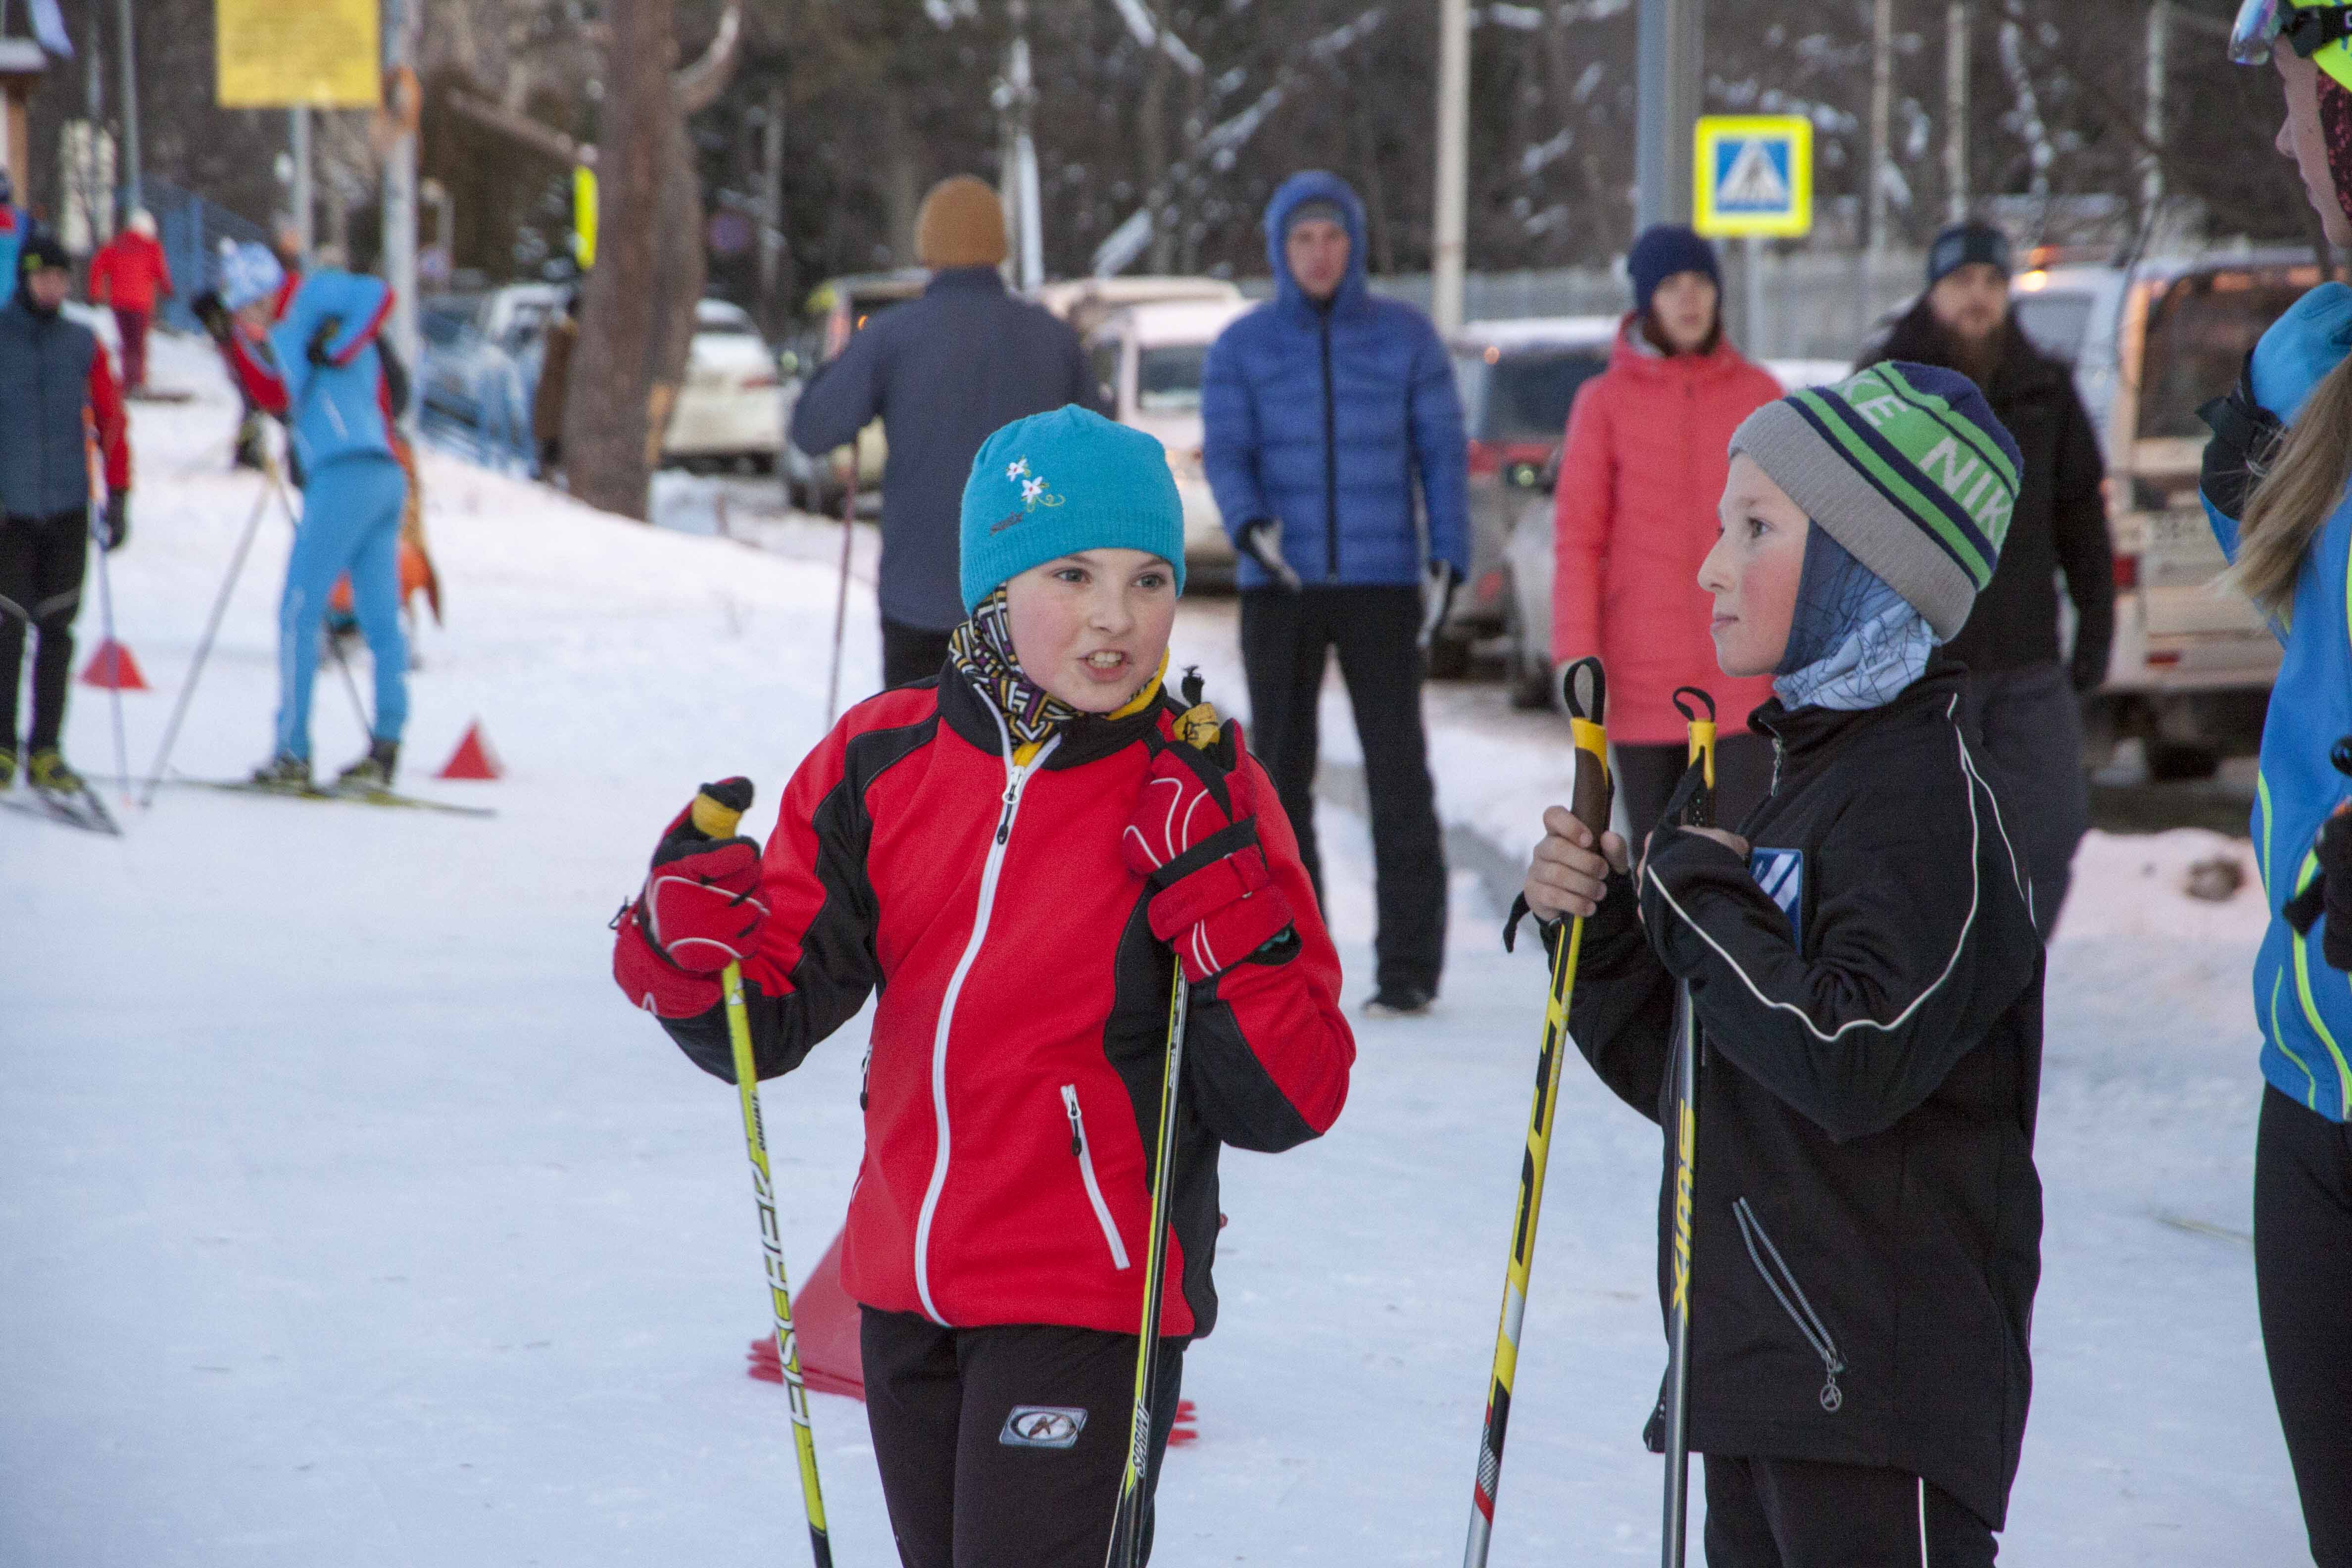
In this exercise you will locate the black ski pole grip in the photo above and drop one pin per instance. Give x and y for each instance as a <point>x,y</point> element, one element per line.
<point>1585,688</point>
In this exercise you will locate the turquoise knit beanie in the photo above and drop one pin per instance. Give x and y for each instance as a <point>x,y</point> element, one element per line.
<point>1054,484</point>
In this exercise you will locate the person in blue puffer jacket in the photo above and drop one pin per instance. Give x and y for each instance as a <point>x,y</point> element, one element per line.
<point>1333,440</point>
<point>314,358</point>
<point>2275,483</point>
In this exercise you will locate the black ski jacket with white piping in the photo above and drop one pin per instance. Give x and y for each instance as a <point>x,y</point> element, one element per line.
<point>1866,1218</point>
<point>1013,1074</point>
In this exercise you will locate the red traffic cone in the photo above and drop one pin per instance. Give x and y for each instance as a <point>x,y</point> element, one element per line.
<point>472,759</point>
<point>824,1325</point>
<point>112,668</point>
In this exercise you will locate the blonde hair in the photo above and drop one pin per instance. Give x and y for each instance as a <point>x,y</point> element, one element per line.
<point>2295,492</point>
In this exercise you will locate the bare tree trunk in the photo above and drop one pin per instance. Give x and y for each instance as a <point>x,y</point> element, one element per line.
<point>901,196</point>
<point>607,416</point>
<point>1152,142</point>
<point>680,269</point>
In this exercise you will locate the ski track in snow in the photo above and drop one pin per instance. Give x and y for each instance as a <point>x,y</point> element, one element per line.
<point>349,1213</point>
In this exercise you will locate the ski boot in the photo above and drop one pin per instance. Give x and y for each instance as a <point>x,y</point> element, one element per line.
<point>7,767</point>
<point>284,771</point>
<point>1399,1002</point>
<point>372,773</point>
<point>49,774</point>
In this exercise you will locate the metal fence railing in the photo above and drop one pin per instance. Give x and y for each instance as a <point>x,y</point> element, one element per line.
<point>192,230</point>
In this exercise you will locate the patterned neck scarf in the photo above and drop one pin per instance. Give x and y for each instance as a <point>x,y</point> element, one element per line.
<point>981,651</point>
<point>1854,642</point>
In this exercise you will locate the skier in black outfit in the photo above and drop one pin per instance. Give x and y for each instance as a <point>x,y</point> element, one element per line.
<point>55,386</point>
<point>1866,1216</point>
<point>2022,702</point>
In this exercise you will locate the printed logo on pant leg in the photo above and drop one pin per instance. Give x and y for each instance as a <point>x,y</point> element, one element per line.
<point>1042,1426</point>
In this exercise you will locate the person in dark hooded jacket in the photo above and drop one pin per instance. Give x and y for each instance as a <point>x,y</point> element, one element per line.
<point>2024,701</point>
<point>1866,1220</point>
<point>1332,437</point>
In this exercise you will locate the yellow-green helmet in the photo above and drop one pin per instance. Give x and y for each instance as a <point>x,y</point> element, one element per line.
<point>2315,29</point>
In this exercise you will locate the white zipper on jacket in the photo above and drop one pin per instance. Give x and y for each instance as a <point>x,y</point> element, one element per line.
<point>1016,778</point>
<point>1086,1154</point>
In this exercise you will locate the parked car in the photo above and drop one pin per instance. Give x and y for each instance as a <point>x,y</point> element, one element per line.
<point>471,387</point>
<point>2191,668</point>
<point>1528,549</point>
<point>835,309</point>
<point>1147,362</point>
<point>1087,302</point>
<point>1517,380</point>
<point>729,409</point>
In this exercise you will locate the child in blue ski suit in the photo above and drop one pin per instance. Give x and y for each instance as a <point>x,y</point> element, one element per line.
<point>312,355</point>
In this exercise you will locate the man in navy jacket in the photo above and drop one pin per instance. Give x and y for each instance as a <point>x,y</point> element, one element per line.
<point>1334,443</point>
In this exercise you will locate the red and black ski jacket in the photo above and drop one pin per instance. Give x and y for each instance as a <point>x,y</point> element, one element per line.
<point>1013,1080</point>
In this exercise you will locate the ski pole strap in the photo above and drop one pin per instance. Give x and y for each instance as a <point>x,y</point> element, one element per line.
<point>1694,800</point>
<point>1586,688</point>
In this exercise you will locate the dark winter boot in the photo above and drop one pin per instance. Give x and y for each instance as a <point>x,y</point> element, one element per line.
<point>373,771</point>
<point>1399,1002</point>
<point>50,773</point>
<point>284,771</point>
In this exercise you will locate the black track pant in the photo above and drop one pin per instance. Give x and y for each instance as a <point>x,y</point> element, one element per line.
<point>2303,1281</point>
<point>1646,776</point>
<point>1286,639</point>
<point>1002,1448</point>
<point>41,565</point>
<point>1802,1514</point>
<point>910,653</point>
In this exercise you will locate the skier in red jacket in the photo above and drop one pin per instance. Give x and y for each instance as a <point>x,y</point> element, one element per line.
<point>1017,853</point>
<point>130,275</point>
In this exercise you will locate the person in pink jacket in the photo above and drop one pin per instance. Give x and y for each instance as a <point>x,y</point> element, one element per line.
<point>1635,515</point>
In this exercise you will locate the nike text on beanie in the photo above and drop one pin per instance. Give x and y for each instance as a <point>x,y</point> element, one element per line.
<point>960,224</point>
<point>1905,466</point>
<point>1054,484</point>
<point>1663,250</point>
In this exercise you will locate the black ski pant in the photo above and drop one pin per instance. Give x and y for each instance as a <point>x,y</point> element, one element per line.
<point>1286,640</point>
<point>1804,1513</point>
<point>2302,1284</point>
<point>1003,1447</point>
<point>1646,776</point>
<point>41,563</point>
<point>2031,724</point>
<point>910,653</point>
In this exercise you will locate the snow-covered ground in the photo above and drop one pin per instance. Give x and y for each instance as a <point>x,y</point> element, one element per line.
<point>348,1215</point>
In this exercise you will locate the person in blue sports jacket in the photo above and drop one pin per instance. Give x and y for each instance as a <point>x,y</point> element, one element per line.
<point>314,358</point>
<point>1331,428</point>
<point>2275,487</point>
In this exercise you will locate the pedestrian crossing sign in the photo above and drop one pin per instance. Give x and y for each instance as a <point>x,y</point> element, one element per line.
<point>1754,175</point>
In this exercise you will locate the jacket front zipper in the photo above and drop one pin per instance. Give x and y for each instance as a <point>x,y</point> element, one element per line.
<point>1800,1310</point>
<point>1016,779</point>
<point>1085,1157</point>
<point>1330,456</point>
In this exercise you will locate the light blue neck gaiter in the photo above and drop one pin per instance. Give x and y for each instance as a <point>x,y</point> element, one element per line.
<point>1854,642</point>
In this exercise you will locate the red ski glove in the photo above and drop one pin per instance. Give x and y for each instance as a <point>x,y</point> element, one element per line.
<point>699,910</point>
<point>1194,840</point>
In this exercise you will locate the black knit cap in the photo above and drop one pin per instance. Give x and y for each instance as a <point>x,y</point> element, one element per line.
<point>40,252</point>
<point>1964,243</point>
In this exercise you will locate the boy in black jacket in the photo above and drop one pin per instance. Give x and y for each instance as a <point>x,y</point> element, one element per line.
<point>1863,963</point>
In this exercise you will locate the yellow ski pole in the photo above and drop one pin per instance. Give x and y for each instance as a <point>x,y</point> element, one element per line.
<point>719,820</point>
<point>1698,812</point>
<point>1589,798</point>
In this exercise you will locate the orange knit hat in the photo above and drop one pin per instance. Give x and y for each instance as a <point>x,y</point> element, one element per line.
<point>960,224</point>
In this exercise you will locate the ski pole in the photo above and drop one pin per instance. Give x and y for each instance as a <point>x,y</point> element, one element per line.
<point>718,819</point>
<point>841,589</point>
<point>114,654</point>
<point>1198,728</point>
<point>204,649</point>
<point>1589,799</point>
<point>1698,811</point>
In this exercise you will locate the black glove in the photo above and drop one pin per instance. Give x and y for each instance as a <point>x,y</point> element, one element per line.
<point>2245,437</point>
<point>316,351</point>
<point>1261,540</point>
<point>212,315</point>
<point>118,522</point>
<point>1436,599</point>
<point>2334,849</point>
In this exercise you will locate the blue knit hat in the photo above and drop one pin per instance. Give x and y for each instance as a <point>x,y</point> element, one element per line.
<point>1664,250</point>
<point>249,273</point>
<point>1907,467</point>
<point>1054,484</point>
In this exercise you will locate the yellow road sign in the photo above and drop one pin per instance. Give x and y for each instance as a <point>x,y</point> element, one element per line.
<point>275,54</point>
<point>1754,175</point>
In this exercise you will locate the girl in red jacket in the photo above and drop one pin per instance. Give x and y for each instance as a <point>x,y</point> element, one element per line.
<point>1635,515</point>
<point>1017,853</point>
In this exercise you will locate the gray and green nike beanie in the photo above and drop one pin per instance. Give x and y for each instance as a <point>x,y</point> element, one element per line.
<point>1907,467</point>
